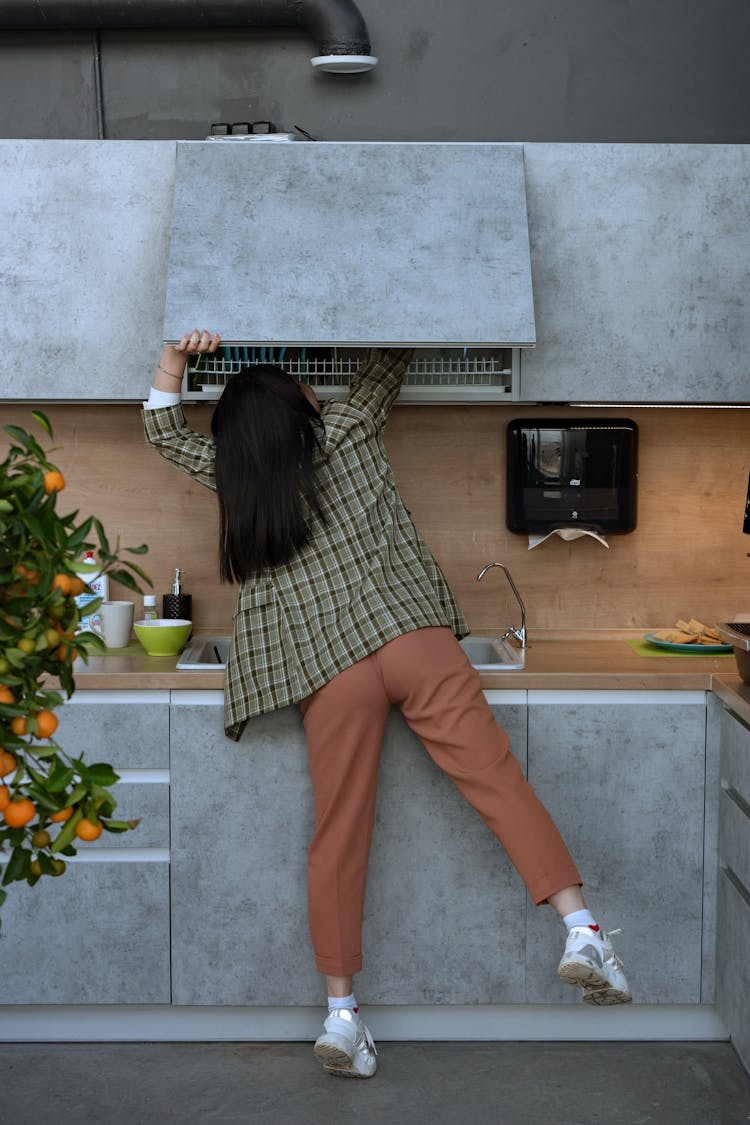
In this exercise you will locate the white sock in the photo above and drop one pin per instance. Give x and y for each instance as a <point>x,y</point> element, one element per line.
<point>580,918</point>
<point>344,1002</point>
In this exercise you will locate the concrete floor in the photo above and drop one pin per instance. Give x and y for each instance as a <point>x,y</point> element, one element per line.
<point>417,1084</point>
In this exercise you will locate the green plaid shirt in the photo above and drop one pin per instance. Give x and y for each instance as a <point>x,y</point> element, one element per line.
<point>365,577</point>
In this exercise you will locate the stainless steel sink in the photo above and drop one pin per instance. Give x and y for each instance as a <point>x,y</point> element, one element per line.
<point>487,654</point>
<point>491,654</point>
<point>205,653</point>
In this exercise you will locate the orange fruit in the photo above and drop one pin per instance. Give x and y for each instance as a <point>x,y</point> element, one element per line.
<point>77,585</point>
<point>7,763</point>
<point>18,725</point>
<point>87,830</point>
<point>62,583</point>
<point>27,572</point>
<point>41,838</point>
<point>54,481</point>
<point>19,811</point>
<point>6,695</point>
<point>46,723</point>
<point>4,797</point>
<point>63,815</point>
<point>27,645</point>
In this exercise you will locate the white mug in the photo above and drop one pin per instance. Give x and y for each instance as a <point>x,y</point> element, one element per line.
<point>113,621</point>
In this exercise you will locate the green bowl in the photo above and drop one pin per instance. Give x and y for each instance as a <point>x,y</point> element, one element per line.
<point>163,636</point>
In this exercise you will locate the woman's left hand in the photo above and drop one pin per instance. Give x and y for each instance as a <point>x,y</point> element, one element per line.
<point>198,341</point>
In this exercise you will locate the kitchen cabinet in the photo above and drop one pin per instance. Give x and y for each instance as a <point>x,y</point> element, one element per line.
<point>444,920</point>
<point>100,933</point>
<point>83,259</point>
<point>733,909</point>
<point>640,256</point>
<point>352,244</point>
<point>622,774</point>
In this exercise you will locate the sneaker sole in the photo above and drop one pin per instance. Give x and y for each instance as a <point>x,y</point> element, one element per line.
<point>336,1061</point>
<point>595,986</point>
<point>606,996</point>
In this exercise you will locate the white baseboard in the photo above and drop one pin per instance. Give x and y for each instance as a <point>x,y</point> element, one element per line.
<point>510,1022</point>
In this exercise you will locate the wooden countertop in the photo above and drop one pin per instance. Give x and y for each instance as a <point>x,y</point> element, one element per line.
<point>590,660</point>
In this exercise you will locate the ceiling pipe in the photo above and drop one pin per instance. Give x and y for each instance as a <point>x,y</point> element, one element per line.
<point>336,25</point>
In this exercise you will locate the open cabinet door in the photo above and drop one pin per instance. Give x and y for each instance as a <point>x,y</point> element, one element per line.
<point>351,244</point>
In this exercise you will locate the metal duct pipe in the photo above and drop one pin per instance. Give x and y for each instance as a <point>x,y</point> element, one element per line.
<point>336,25</point>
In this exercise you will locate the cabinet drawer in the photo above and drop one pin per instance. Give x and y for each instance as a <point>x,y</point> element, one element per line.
<point>733,964</point>
<point>734,836</point>
<point>735,756</point>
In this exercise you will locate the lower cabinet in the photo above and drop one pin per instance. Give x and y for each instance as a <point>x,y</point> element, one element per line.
<point>99,934</point>
<point>623,775</point>
<point>447,918</point>
<point>444,920</point>
<point>733,909</point>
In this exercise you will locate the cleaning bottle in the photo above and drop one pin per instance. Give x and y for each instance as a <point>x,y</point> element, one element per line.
<point>97,586</point>
<point>149,607</point>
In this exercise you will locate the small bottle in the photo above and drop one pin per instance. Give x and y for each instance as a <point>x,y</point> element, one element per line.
<point>177,605</point>
<point>149,607</point>
<point>97,586</point>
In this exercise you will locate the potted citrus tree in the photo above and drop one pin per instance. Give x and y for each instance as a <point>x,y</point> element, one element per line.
<point>49,800</point>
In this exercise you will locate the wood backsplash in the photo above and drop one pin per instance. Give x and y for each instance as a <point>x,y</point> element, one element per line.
<point>686,558</point>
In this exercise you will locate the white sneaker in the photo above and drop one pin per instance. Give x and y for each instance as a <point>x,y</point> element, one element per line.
<point>346,1047</point>
<point>590,963</point>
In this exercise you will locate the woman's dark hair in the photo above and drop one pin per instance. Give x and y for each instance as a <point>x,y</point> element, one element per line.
<point>266,435</point>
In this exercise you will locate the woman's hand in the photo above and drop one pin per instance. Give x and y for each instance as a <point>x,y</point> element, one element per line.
<point>171,367</point>
<point>195,342</point>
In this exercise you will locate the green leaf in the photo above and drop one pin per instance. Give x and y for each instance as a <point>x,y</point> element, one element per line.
<point>101,773</point>
<point>18,434</point>
<point>17,866</point>
<point>43,421</point>
<point>68,833</point>
<point>142,550</point>
<point>75,796</point>
<point>60,778</point>
<point>3,896</point>
<point>102,536</point>
<point>121,825</point>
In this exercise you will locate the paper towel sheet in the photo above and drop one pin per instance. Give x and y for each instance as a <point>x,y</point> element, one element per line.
<point>568,534</point>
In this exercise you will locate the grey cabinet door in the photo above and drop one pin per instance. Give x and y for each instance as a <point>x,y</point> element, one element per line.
<point>351,243</point>
<point>640,257</point>
<point>99,934</point>
<point>623,778</point>
<point>83,266</point>
<point>733,911</point>
<point>444,919</point>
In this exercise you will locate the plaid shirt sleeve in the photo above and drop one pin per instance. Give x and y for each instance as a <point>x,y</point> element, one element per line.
<point>374,389</point>
<point>167,432</point>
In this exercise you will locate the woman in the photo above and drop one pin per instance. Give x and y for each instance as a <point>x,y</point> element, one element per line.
<point>343,610</point>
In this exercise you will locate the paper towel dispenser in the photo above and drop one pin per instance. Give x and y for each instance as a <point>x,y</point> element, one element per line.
<point>571,472</point>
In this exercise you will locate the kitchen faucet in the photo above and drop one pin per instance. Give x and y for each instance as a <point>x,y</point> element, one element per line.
<point>519,634</point>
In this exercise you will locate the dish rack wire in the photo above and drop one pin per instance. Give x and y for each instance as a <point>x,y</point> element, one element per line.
<point>463,374</point>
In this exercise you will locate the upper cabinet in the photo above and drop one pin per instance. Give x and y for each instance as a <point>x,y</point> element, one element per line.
<point>83,266</point>
<point>641,269</point>
<point>351,244</point>
<point>638,257</point>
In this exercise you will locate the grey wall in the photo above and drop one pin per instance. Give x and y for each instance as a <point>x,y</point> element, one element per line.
<point>533,70</point>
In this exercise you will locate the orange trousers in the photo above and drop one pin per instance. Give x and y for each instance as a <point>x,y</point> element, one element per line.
<point>426,674</point>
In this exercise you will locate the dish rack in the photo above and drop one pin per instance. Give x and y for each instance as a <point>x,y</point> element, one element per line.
<point>433,376</point>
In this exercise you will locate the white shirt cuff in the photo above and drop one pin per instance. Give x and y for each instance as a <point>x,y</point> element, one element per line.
<point>159,398</point>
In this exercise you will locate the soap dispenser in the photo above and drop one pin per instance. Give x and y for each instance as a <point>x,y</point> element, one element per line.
<point>177,605</point>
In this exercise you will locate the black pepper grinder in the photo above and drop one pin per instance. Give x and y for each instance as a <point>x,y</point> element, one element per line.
<point>177,605</point>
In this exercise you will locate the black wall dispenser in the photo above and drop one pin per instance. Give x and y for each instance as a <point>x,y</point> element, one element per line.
<point>572,472</point>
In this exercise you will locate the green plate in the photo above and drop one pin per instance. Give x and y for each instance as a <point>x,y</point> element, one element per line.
<point>705,649</point>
